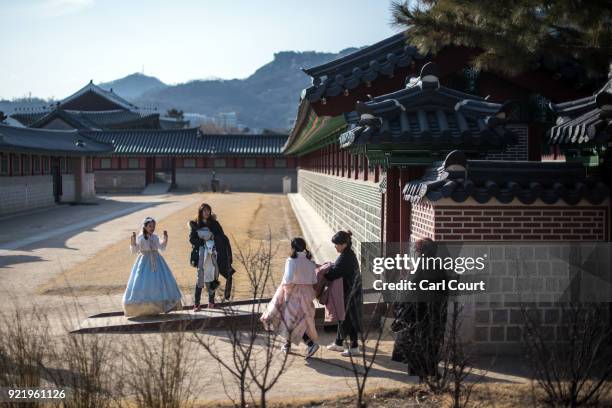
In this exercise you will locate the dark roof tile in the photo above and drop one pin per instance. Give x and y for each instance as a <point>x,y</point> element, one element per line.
<point>587,120</point>
<point>364,65</point>
<point>188,142</point>
<point>428,114</point>
<point>52,141</point>
<point>459,179</point>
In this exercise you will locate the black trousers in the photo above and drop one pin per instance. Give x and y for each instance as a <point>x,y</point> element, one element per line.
<point>198,295</point>
<point>347,328</point>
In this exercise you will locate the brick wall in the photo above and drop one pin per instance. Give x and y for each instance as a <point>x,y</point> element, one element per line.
<point>513,222</point>
<point>518,151</point>
<point>344,204</point>
<point>422,220</point>
<point>529,269</point>
<point>24,193</point>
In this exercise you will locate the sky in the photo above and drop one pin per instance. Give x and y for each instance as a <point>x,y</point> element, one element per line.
<point>51,48</point>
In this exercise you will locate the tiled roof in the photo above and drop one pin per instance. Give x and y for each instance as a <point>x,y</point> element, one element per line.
<point>587,120</point>
<point>109,95</point>
<point>428,114</point>
<point>111,119</point>
<point>42,140</point>
<point>27,118</point>
<point>459,179</point>
<point>362,66</point>
<point>167,122</point>
<point>187,142</point>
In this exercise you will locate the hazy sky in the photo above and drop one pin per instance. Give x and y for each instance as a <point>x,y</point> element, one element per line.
<point>53,47</point>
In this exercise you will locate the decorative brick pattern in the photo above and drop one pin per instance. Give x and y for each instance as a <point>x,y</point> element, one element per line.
<point>422,221</point>
<point>514,223</point>
<point>518,151</point>
<point>344,204</point>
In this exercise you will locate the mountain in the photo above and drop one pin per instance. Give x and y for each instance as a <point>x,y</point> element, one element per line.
<point>266,99</point>
<point>133,85</point>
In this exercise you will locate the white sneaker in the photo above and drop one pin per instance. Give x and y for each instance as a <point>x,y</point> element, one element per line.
<point>334,347</point>
<point>286,348</point>
<point>311,350</point>
<point>353,351</point>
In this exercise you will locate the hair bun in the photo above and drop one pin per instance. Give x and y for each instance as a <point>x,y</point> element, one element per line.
<point>350,234</point>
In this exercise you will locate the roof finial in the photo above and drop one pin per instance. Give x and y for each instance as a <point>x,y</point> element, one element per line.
<point>430,74</point>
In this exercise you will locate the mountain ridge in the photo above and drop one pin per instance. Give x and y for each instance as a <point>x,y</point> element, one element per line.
<point>265,99</point>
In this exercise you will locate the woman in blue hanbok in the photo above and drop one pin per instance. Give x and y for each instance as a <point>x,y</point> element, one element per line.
<point>152,288</point>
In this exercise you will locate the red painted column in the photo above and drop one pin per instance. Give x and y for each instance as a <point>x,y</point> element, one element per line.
<point>335,160</point>
<point>173,161</point>
<point>392,210</point>
<point>404,232</point>
<point>349,165</point>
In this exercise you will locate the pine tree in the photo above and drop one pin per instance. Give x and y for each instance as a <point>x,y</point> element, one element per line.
<point>514,36</point>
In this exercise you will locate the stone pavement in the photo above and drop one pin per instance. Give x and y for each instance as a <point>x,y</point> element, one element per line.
<point>316,232</point>
<point>37,245</point>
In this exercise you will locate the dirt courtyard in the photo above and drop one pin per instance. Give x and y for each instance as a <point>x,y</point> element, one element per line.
<point>247,219</point>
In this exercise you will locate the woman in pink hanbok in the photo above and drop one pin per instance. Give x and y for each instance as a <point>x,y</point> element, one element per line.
<point>291,311</point>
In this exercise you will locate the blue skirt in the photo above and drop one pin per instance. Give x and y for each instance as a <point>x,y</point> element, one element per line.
<point>152,288</point>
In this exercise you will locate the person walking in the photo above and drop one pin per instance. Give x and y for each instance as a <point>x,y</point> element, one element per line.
<point>291,310</point>
<point>346,267</point>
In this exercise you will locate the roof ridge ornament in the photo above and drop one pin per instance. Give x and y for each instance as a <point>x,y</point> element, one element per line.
<point>428,79</point>
<point>456,161</point>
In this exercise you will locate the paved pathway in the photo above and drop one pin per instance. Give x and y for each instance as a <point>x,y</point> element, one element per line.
<point>316,232</point>
<point>36,246</point>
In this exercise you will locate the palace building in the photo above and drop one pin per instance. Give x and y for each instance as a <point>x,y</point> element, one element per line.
<point>398,146</point>
<point>110,145</point>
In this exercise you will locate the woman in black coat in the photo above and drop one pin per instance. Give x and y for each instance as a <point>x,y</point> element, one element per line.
<point>206,218</point>
<point>347,268</point>
<point>419,326</point>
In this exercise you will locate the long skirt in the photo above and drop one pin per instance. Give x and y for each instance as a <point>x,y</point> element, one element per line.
<point>291,312</point>
<point>151,288</point>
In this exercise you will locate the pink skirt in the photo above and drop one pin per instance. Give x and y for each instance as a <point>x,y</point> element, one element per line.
<point>291,312</point>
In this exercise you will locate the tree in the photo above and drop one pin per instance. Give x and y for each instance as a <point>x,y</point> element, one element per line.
<point>516,36</point>
<point>255,360</point>
<point>175,113</point>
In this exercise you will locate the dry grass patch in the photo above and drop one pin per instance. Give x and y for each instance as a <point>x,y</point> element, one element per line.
<point>490,395</point>
<point>246,219</point>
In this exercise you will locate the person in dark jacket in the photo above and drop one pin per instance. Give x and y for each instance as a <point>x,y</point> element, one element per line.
<point>419,325</point>
<point>206,218</point>
<point>347,268</point>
